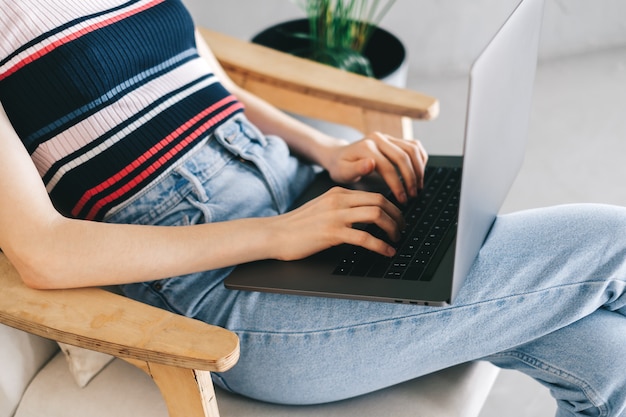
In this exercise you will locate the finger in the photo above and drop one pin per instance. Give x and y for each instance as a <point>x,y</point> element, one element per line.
<point>342,198</point>
<point>377,216</point>
<point>386,217</point>
<point>396,167</point>
<point>412,171</point>
<point>418,157</point>
<point>353,206</point>
<point>363,239</point>
<point>359,169</point>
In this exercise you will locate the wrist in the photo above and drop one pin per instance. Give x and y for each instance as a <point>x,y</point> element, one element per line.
<point>326,151</point>
<point>277,237</point>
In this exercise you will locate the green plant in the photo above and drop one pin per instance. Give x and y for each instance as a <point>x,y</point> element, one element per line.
<point>340,29</point>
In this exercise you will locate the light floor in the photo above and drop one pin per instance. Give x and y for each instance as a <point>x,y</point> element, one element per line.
<point>576,153</point>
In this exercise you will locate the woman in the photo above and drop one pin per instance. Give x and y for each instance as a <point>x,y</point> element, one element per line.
<point>117,120</point>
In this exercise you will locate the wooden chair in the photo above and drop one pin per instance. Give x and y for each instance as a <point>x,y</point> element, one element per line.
<point>319,91</point>
<point>179,353</point>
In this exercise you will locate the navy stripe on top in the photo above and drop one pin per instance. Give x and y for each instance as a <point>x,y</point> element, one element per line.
<point>108,101</point>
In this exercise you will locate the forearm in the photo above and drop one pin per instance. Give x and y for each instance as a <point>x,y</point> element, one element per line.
<point>73,253</point>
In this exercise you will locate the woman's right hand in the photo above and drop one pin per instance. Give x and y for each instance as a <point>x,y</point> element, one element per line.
<point>328,221</point>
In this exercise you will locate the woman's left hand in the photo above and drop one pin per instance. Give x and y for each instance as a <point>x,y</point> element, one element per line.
<point>400,162</point>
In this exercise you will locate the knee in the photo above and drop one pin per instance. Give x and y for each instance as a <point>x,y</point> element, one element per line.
<point>582,364</point>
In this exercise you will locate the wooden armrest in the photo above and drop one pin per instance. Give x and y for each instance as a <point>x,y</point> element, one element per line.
<point>99,320</point>
<point>305,87</point>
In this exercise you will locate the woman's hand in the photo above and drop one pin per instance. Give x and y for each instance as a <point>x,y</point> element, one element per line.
<point>327,221</point>
<point>400,162</point>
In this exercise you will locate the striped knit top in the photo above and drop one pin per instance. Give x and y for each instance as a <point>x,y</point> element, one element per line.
<point>106,95</point>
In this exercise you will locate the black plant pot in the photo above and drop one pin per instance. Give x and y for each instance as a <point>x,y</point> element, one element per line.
<point>384,51</point>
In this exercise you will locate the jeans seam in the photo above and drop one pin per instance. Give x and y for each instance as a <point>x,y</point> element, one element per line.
<point>536,363</point>
<point>451,309</point>
<point>221,381</point>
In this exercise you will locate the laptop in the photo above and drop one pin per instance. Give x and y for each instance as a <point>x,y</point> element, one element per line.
<point>430,266</point>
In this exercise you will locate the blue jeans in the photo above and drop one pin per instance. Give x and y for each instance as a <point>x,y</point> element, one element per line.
<point>546,295</point>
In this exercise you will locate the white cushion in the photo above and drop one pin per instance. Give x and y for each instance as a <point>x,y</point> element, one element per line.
<point>21,356</point>
<point>84,364</point>
<point>456,392</point>
<point>121,390</point>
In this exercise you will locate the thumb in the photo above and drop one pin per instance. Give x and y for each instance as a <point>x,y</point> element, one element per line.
<point>356,169</point>
<point>365,166</point>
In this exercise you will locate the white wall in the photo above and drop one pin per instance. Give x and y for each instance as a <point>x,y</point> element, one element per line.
<point>443,36</point>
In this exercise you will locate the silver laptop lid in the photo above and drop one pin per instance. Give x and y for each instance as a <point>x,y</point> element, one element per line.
<point>501,85</point>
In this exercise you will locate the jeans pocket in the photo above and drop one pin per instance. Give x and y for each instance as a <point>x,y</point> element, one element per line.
<point>155,202</point>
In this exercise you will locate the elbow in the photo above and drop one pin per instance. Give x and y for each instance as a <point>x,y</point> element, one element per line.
<point>35,279</point>
<point>36,253</point>
<point>34,272</point>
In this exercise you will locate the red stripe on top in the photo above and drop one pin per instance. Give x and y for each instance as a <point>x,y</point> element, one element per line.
<point>73,36</point>
<point>160,162</point>
<point>126,171</point>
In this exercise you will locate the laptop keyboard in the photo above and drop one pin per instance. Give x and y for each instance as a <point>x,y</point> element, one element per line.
<point>431,221</point>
